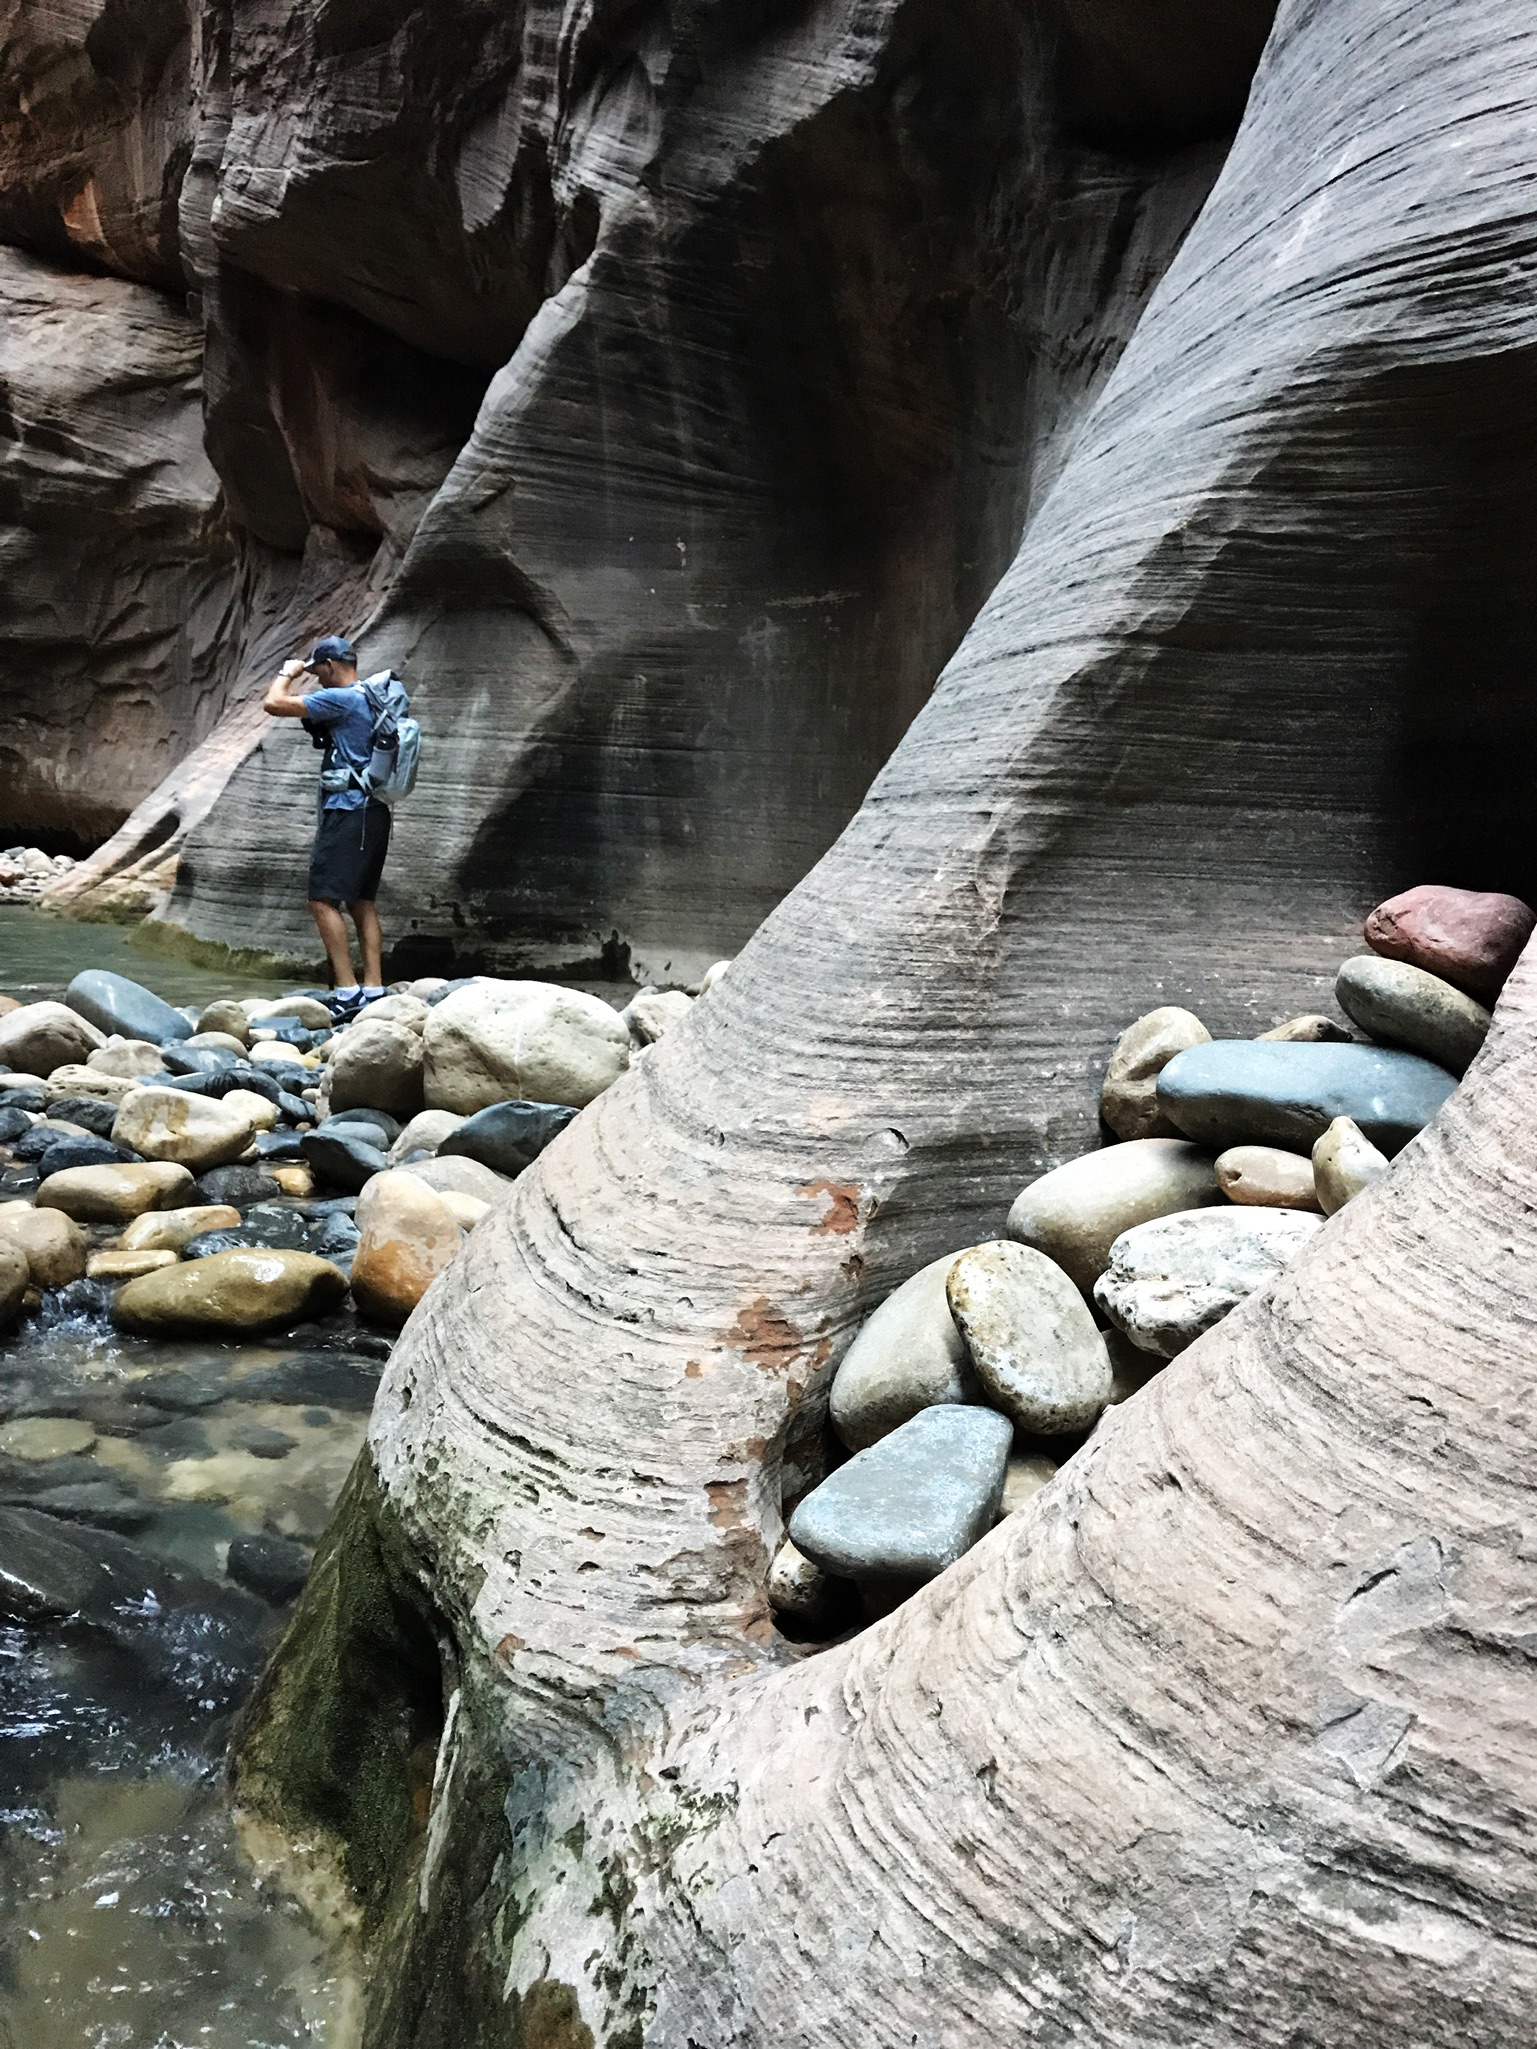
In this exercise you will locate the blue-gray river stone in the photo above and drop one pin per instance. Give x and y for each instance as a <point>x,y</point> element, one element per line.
<point>897,1514</point>
<point>114,1004</point>
<point>209,1060</point>
<point>381,1121</point>
<point>89,1112</point>
<point>1254,1092</point>
<point>508,1137</point>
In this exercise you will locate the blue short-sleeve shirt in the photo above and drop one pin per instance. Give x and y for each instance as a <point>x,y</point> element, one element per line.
<point>348,724</point>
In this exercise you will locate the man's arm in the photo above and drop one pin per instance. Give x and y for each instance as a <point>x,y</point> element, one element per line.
<point>284,698</point>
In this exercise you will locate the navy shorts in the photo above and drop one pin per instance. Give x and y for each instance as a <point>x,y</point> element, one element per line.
<point>348,860</point>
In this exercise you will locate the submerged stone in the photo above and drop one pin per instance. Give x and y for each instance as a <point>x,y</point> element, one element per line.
<point>273,1567</point>
<point>899,1513</point>
<point>1256,1092</point>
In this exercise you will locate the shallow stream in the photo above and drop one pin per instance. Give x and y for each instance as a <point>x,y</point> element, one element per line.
<point>130,1635</point>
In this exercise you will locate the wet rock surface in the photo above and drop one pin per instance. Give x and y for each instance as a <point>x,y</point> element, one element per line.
<point>120,1007</point>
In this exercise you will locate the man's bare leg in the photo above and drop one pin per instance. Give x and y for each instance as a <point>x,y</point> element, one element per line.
<point>332,927</point>
<point>371,940</point>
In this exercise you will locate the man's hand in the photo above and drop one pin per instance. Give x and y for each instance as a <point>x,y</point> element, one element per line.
<point>284,699</point>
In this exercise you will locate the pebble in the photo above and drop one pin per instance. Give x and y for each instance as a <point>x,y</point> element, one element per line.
<point>272,1567</point>
<point>42,1036</point>
<point>1075,1213</point>
<point>294,1181</point>
<point>52,1244</point>
<point>239,1187</point>
<point>15,1280</point>
<point>908,1355</point>
<point>263,1442</point>
<point>407,1236</point>
<point>169,1230</point>
<point>378,1063</point>
<point>712,975</point>
<point>46,1437</point>
<point>84,1151</point>
<point>1027,1474</point>
<point>1471,938</point>
<point>462,1177</point>
<point>466,1210</point>
<point>652,1014</point>
<point>1402,1005</point>
<point>343,1158</point>
<point>498,1042</point>
<point>261,1113</point>
<point>802,1594</point>
<point>74,1080</point>
<point>424,1134</point>
<point>377,1121</point>
<point>306,1010</point>
<point>896,1515</point>
<point>1312,1030</point>
<point>1128,1101</point>
<point>126,1266</point>
<point>116,1005</point>
<point>12,1124</point>
<point>1034,1346</point>
<point>1265,1177</point>
<point>169,1124</point>
<point>1247,1092</point>
<point>233,1291</point>
<point>227,1018</point>
<point>1345,1162</point>
<point>91,1113</point>
<point>1170,1280</point>
<point>126,1059</point>
<point>115,1195</point>
<point>506,1137</point>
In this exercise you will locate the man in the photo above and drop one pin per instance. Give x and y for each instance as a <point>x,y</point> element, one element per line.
<point>353,835</point>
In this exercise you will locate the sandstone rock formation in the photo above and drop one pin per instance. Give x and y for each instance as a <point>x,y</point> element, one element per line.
<point>662,394</point>
<point>1225,1737</point>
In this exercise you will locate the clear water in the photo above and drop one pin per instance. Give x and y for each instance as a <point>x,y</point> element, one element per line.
<point>41,954</point>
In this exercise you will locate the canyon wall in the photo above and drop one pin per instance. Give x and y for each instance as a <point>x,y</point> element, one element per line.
<point>661,392</point>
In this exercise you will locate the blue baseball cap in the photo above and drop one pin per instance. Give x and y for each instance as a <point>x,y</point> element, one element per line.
<point>333,649</point>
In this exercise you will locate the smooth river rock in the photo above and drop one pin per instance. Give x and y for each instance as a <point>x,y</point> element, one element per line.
<point>507,1137</point>
<point>232,1291</point>
<point>194,1131</point>
<point>462,1177</point>
<point>801,1593</point>
<point>898,1513</point>
<point>127,1059</point>
<point>116,1195</point>
<point>1075,1213</point>
<point>169,1230</point>
<point>42,1036</point>
<point>226,1017</point>
<point>1313,1029</point>
<point>497,1042</point>
<point>1035,1348</point>
<point>1344,1163</point>
<point>1403,1005</point>
<point>653,1013</point>
<point>1470,937</point>
<point>343,1159</point>
<point>407,1236</point>
<point>1169,1280</point>
<point>91,1113</point>
<point>1249,1092</point>
<point>1266,1177</point>
<point>15,1279</point>
<point>53,1245</point>
<point>907,1356</point>
<point>116,1005</point>
<point>378,1064</point>
<point>424,1134</point>
<point>1128,1101</point>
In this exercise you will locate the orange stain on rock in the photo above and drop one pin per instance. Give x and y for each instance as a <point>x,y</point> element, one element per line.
<point>767,1336</point>
<point>842,1213</point>
<point>728,1503</point>
<point>502,1655</point>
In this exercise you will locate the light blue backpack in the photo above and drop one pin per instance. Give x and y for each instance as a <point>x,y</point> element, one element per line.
<point>397,740</point>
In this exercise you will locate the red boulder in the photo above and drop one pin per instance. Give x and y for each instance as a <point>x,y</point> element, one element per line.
<point>1470,937</point>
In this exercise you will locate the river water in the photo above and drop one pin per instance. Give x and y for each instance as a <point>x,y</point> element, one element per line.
<point>129,1918</point>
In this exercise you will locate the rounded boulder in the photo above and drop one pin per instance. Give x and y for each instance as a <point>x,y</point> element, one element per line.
<point>407,1236</point>
<point>378,1065</point>
<point>194,1131</point>
<point>1472,938</point>
<point>526,1041</point>
<point>1036,1350</point>
<point>1170,1280</point>
<point>1402,1005</point>
<point>39,1037</point>
<point>1128,1101</point>
<point>908,1356</point>
<point>1075,1213</point>
<point>116,1195</point>
<point>231,1291</point>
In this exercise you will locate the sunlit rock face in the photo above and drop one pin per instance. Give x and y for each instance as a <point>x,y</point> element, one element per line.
<point>661,395</point>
